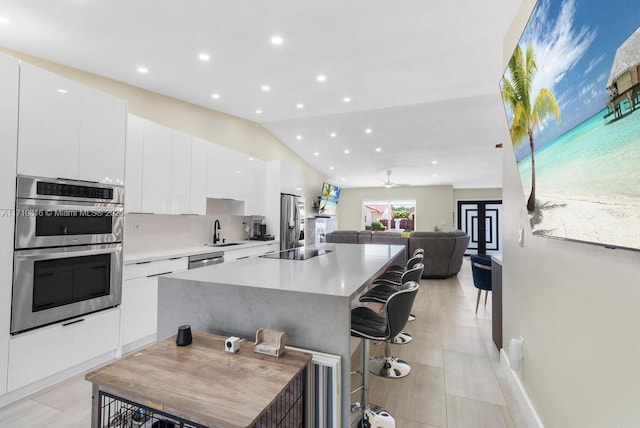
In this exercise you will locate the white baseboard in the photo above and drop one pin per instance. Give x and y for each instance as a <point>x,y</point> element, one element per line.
<point>526,407</point>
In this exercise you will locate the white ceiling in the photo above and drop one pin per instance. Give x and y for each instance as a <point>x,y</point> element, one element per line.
<point>423,76</point>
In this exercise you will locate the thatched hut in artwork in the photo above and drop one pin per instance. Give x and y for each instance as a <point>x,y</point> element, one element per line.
<point>624,81</point>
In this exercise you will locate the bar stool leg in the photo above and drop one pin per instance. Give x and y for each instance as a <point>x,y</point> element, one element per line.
<point>389,367</point>
<point>372,416</point>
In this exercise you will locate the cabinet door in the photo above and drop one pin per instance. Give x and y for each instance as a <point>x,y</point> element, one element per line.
<point>102,137</point>
<point>8,148</point>
<point>198,196</point>
<point>36,354</point>
<point>180,172</point>
<point>134,159</point>
<point>49,125</point>
<point>139,309</point>
<point>156,169</point>
<point>236,175</point>
<point>259,187</point>
<point>218,171</point>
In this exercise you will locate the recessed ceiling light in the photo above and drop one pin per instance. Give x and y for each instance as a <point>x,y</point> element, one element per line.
<point>298,137</point>
<point>143,70</point>
<point>277,40</point>
<point>331,168</point>
<point>265,88</point>
<point>378,149</point>
<point>298,188</point>
<point>346,100</point>
<point>368,131</point>
<point>4,20</point>
<point>316,154</point>
<point>62,91</point>
<point>237,172</point>
<point>215,96</point>
<point>435,175</point>
<point>434,162</point>
<point>321,78</point>
<point>346,151</point>
<point>258,111</point>
<point>344,179</point>
<point>204,57</point>
<point>300,105</point>
<point>250,158</point>
<point>333,135</point>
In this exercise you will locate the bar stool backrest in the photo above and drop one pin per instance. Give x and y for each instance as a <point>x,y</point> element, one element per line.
<point>413,274</point>
<point>418,251</point>
<point>418,258</point>
<point>398,308</point>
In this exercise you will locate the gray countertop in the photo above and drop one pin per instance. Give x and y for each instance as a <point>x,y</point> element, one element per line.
<point>340,272</point>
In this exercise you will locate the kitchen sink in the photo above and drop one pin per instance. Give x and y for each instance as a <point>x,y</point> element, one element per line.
<point>226,244</point>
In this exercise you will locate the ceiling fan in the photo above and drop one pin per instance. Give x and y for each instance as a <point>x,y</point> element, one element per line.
<point>388,184</point>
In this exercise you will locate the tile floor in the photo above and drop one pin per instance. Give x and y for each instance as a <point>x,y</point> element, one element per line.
<point>456,379</point>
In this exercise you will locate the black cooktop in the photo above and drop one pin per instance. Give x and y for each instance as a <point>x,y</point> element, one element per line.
<point>300,253</point>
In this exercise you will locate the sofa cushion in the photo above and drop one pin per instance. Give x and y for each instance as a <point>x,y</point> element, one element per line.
<point>342,237</point>
<point>364,237</point>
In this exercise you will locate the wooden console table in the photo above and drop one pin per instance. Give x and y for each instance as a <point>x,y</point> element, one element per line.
<point>201,385</point>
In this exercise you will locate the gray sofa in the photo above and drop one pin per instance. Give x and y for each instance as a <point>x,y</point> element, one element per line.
<point>443,251</point>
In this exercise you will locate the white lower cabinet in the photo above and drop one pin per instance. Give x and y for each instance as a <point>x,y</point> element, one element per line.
<point>46,351</point>
<point>241,253</point>
<point>139,307</point>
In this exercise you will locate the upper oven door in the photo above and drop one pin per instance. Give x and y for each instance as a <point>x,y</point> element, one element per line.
<point>49,223</point>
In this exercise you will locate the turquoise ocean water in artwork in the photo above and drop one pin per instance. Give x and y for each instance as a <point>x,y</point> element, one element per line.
<point>593,161</point>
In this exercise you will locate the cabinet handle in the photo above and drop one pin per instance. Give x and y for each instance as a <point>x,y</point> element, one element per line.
<point>73,322</point>
<point>245,257</point>
<point>175,258</point>
<point>158,274</point>
<point>143,263</point>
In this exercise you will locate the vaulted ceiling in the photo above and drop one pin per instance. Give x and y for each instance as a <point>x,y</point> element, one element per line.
<point>408,86</point>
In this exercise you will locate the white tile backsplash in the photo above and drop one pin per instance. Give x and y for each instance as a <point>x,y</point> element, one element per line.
<point>157,232</point>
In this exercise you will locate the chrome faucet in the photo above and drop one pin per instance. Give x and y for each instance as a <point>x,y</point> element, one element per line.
<point>216,231</point>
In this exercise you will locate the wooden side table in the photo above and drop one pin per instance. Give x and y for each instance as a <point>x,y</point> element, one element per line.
<point>200,385</point>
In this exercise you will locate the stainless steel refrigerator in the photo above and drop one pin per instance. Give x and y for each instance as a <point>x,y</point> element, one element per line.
<point>291,221</point>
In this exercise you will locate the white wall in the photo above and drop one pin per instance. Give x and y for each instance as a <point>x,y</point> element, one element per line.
<point>435,205</point>
<point>577,307</point>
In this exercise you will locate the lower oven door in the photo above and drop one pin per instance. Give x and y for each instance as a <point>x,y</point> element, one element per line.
<point>55,284</point>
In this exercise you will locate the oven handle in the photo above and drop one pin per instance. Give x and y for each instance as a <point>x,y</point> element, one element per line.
<point>68,252</point>
<point>58,207</point>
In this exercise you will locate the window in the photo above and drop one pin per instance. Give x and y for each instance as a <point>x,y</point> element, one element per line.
<point>397,215</point>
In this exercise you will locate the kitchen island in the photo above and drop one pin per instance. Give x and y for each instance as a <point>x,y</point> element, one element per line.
<point>308,299</point>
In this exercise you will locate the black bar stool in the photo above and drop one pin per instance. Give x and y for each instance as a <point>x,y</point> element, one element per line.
<point>368,325</point>
<point>385,288</point>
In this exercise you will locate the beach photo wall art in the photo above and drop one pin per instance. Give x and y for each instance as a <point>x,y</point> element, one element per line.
<point>571,93</point>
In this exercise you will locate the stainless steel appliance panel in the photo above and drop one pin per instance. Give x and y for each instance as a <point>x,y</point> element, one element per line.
<point>202,260</point>
<point>49,223</point>
<point>289,221</point>
<point>29,187</point>
<point>51,295</point>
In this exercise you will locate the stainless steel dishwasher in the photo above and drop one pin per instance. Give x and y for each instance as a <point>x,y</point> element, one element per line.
<point>207,259</point>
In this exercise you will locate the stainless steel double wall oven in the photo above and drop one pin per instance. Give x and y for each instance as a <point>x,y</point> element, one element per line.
<point>68,250</point>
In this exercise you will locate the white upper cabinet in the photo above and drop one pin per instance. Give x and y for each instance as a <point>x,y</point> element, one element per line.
<point>199,160</point>
<point>8,148</point>
<point>134,158</point>
<point>102,137</point>
<point>156,169</point>
<point>219,172</point>
<point>180,172</point>
<point>291,179</point>
<point>8,129</point>
<point>69,130</point>
<point>49,125</point>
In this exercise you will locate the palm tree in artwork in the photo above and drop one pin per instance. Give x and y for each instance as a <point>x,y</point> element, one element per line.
<point>516,93</point>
